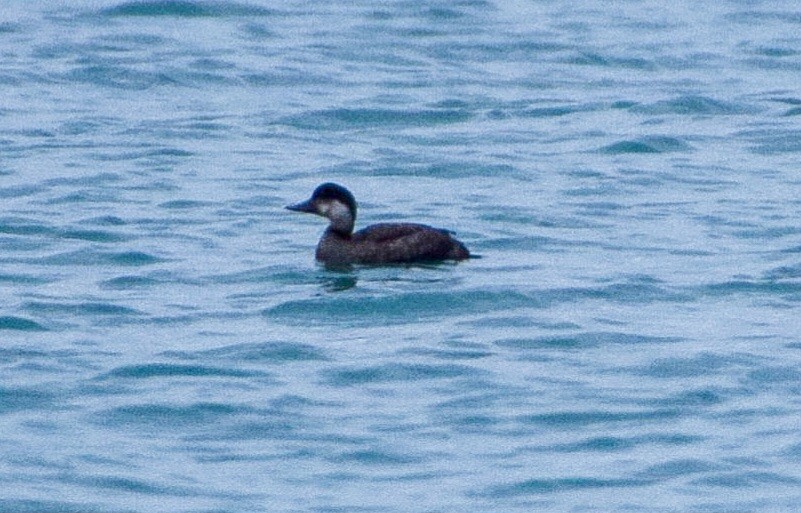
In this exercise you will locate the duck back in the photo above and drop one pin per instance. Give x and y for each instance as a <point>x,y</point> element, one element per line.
<point>391,243</point>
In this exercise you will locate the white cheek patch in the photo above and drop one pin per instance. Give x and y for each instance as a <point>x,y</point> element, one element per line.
<point>333,209</point>
<point>338,213</point>
<point>337,210</point>
<point>323,208</point>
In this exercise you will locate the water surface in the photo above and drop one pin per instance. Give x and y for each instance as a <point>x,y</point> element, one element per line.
<point>628,342</point>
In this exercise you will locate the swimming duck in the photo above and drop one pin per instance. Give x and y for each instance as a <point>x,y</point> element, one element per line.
<point>382,243</point>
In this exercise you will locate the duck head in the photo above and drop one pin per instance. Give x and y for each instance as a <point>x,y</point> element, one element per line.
<point>333,202</point>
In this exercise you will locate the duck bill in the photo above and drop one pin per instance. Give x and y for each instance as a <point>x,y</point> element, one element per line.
<point>304,206</point>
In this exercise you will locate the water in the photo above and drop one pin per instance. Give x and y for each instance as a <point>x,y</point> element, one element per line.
<point>628,342</point>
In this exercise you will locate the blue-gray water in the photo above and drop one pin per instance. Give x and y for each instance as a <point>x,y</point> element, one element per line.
<point>629,171</point>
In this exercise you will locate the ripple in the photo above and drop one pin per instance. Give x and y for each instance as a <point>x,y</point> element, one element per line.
<point>653,144</point>
<point>134,258</point>
<point>376,457</point>
<point>601,444</point>
<point>782,375</point>
<point>119,77</point>
<point>38,506</point>
<point>20,398</point>
<point>17,226</point>
<point>449,170</point>
<point>120,484</point>
<point>679,467</point>
<point>693,105</point>
<point>441,354</point>
<point>582,341</point>
<point>152,155</point>
<point>550,112</point>
<point>83,308</point>
<point>773,232</point>
<point>624,293</point>
<point>768,287</point>
<point>129,282</point>
<point>597,59</point>
<point>401,308</point>
<point>566,484</point>
<point>776,142</point>
<point>185,204</point>
<point>93,235</point>
<point>705,364</point>
<point>355,118</point>
<point>160,370</point>
<point>94,257</point>
<point>184,9</point>
<point>784,272</point>
<point>19,191</point>
<point>19,324</point>
<point>616,443</point>
<point>690,399</point>
<point>573,419</point>
<point>746,480</point>
<point>165,415</point>
<point>278,274</point>
<point>269,352</point>
<point>393,372</point>
<point>96,180</point>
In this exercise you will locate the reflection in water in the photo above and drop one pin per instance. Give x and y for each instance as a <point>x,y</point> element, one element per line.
<point>339,278</point>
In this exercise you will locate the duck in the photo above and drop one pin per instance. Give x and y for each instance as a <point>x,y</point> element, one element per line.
<point>381,243</point>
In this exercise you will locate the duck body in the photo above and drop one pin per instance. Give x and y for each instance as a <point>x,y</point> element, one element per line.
<point>387,243</point>
<point>382,243</point>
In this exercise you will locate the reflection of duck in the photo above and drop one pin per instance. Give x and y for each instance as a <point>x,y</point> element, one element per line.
<point>343,280</point>
<point>381,243</point>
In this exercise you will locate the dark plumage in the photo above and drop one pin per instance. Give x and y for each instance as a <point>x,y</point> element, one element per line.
<point>382,243</point>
